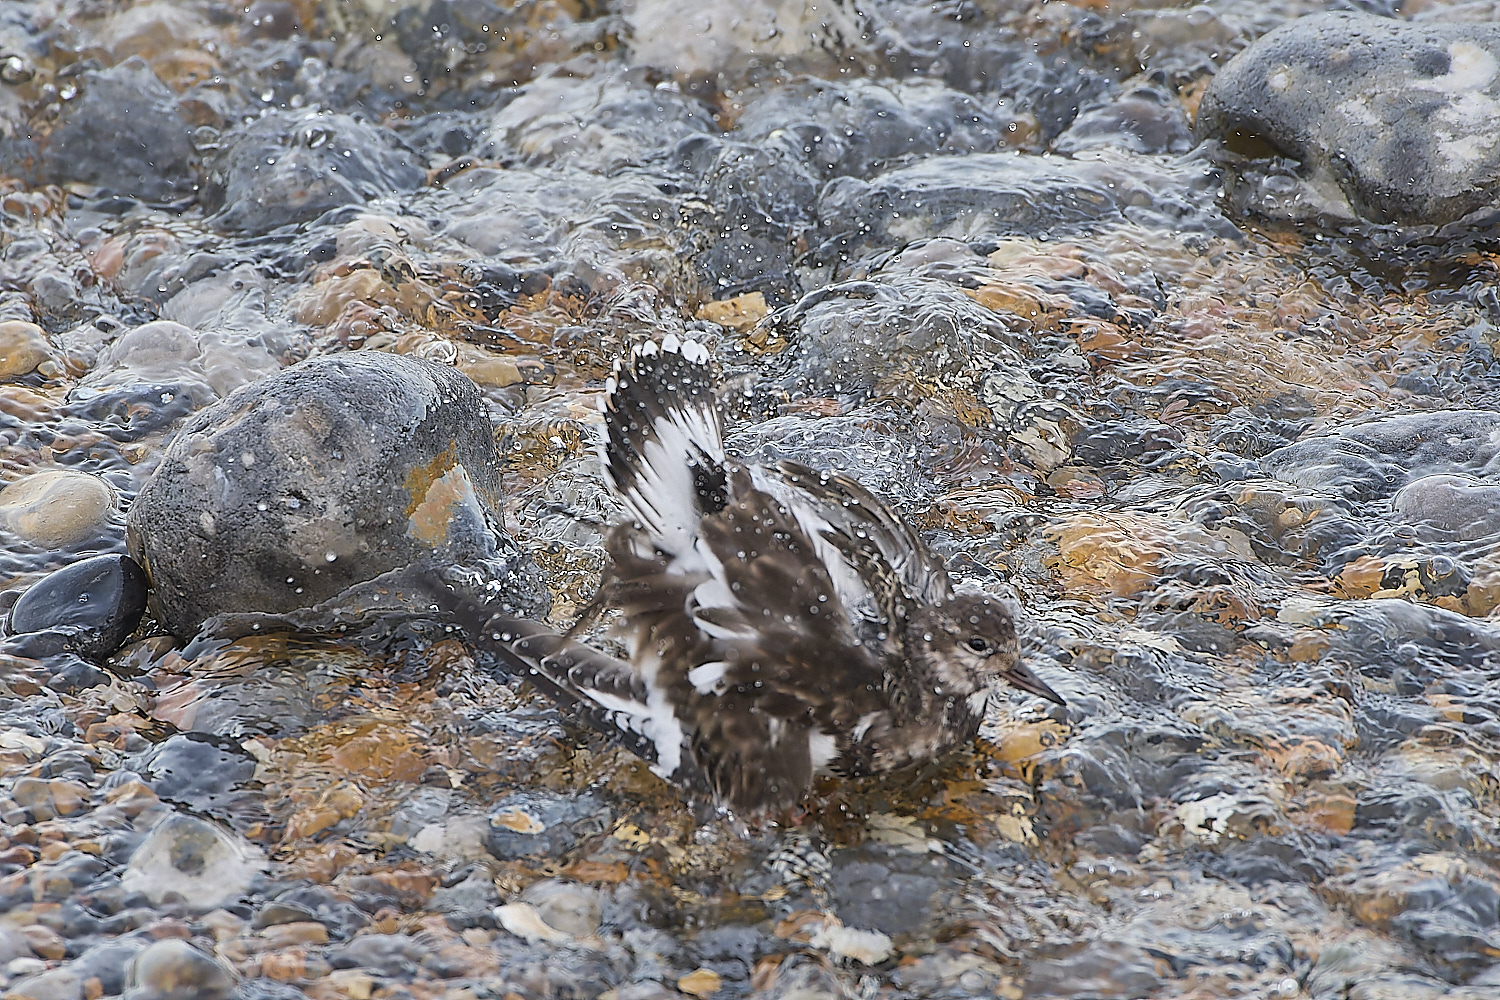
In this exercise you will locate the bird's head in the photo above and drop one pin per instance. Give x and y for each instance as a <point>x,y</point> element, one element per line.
<point>971,642</point>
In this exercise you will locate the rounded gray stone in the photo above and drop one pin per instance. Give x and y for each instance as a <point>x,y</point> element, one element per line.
<point>323,476</point>
<point>1403,118</point>
<point>125,132</point>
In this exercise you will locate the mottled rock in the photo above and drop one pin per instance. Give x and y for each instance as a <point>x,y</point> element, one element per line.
<point>289,167</point>
<point>542,824</point>
<point>324,476</point>
<point>23,346</point>
<point>57,507</point>
<point>887,891</point>
<point>174,970</point>
<point>852,335</point>
<point>1401,118</point>
<point>95,603</point>
<point>201,863</point>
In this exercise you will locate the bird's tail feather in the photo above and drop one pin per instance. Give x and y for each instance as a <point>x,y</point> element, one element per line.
<point>591,686</point>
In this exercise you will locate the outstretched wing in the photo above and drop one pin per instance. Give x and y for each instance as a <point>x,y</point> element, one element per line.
<point>753,648</point>
<point>663,451</point>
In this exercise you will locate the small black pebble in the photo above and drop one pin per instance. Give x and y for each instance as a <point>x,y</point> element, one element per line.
<point>99,601</point>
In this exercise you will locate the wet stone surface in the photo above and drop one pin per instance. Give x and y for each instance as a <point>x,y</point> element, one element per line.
<point>1222,414</point>
<point>91,605</point>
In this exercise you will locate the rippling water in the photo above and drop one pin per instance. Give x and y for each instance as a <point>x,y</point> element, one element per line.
<point>1242,477</point>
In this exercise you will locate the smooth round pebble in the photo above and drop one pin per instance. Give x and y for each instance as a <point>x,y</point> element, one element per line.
<point>174,970</point>
<point>96,602</point>
<point>23,347</point>
<point>200,862</point>
<point>387,954</point>
<point>57,507</point>
<point>54,984</point>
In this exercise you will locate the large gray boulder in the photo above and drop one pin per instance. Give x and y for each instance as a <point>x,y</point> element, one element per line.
<point>319,478</point>
<point>1401,119</point>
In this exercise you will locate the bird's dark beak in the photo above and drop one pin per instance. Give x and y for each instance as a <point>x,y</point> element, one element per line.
<point>1019,675</point>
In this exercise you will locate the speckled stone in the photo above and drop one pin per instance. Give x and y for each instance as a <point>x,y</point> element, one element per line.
<point>1400,116</point>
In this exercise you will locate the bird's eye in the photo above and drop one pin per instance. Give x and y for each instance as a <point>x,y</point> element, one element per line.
<point>978,645</point>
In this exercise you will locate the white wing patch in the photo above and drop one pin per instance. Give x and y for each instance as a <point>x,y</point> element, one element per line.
<point>863,725</point>
<point>708,678</point>
<point>848,586</point>
<point>822,749</point>
<point>662,497</point>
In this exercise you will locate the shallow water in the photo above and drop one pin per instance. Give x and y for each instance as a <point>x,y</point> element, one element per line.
<point>1242,479</point>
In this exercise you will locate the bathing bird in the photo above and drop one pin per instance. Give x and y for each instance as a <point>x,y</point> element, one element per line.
<point>778,621</point>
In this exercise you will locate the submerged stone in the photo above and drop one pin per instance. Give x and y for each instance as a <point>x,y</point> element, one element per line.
<point>199,771</point>
<point>194,861</point>
<point>54,508</point>
<point>324,476</point>
<point>1373,459</point>
<point>125,133</point>
<point>542,824</point>
<point>1144,119</point>
<point>23,347</point>
<point>159,372</point>
<point>294,166</point>
<point>1451,506</point>
<point>175,970</point>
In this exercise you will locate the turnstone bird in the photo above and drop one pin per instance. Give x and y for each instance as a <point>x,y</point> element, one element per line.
<point>780,622</point>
